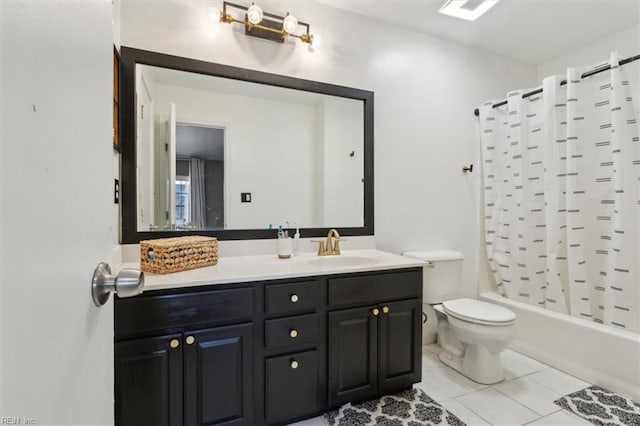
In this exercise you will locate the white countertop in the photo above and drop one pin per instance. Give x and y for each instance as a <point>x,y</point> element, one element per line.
<point>270,267</point>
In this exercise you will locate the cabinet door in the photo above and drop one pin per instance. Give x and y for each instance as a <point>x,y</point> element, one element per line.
<point>399,345</point>
<point>291,386</point>
<point>148,382</point>
<point>218,369</point>
<point>353,360</point>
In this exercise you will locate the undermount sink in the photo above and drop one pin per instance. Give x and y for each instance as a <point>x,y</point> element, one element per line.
<point>341,260</point>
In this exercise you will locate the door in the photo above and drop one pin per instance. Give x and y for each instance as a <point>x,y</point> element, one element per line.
<point>145,147</point>
<point>171,163</point>
<point>218,382</point>
<point>149,381</point>
<point>399,342</point>
<point>57,217</point>
<point>353,361</point>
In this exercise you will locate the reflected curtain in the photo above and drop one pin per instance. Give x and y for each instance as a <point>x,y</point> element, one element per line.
<point>561,178</point>
<point>198,203</point>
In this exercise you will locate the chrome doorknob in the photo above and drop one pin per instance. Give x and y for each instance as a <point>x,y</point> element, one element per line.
<point>128,283</point>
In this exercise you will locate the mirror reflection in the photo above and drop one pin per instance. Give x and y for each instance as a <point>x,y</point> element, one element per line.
<point>217,153</point>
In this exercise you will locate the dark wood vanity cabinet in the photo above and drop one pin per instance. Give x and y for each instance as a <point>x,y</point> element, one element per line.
<point>218,376</point>
<point>199,371</point>
<point>374,349</point>
<point>148,381</point>
<point>196,378</point>
<point>353,355</point>
<point>266,352</point>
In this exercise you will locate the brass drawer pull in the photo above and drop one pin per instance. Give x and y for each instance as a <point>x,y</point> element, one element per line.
<point>294,298</point>
<point>190,340</point>
<point>375,312</point>
<point>385,309</point>
<point>293,333</point>
<point>174,343</point>
<point>294,364</point>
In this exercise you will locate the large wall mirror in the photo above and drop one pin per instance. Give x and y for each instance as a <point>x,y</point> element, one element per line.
<point>215,150</point>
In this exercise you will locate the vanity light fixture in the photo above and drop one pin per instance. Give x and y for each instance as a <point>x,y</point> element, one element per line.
<point>258,23</point>
<point>467,9</point>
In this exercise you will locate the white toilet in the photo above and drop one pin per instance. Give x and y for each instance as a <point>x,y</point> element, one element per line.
<point>471,333</point>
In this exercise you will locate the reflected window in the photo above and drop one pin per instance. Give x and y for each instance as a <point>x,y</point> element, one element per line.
<point>183,200</point>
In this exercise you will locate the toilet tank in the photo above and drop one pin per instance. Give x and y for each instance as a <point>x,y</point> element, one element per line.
<point>441,274</point>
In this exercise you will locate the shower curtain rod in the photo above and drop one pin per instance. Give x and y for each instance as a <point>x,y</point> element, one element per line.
<point>476,112</point>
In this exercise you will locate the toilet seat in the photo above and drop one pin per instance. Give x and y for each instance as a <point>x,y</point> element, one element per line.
<point>478,312</point>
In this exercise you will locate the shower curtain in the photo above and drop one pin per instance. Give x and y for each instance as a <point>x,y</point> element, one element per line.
<point>198,201</point>
<point>561,178</point>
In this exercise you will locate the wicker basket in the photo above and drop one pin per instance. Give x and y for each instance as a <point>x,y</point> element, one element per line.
<point>167,255</point>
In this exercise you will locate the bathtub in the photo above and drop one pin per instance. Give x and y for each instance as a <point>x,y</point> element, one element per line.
<point>595,353</point>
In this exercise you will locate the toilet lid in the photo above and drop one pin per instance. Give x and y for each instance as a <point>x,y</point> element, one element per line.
<point>480,312</point>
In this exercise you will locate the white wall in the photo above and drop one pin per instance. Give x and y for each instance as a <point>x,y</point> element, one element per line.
<point>425,92</point>
<point>264,157</point>
<point>343,133</point>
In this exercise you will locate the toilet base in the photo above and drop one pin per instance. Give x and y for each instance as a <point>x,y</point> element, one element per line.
<point>477,364</point>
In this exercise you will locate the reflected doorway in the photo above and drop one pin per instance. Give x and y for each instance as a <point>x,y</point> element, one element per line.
<point>199,177</point>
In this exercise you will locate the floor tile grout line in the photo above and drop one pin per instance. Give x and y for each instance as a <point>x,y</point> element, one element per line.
<point>530,409</point>
<point>556,412</point>
<point>517,402</point>
<point>539,416</point>
<point>472,410</point>
<point>560,371</point>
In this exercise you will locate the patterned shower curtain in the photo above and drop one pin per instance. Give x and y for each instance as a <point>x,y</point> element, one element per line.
<point>562,196</point>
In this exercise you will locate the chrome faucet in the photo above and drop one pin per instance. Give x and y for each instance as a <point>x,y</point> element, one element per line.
<point>332,245</point>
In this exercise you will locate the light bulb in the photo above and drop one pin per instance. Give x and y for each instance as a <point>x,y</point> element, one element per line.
<point>213,14</point>
<point>254,14</point>
<point>290,24</point>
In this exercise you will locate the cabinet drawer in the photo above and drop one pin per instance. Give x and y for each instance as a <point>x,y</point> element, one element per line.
<point>291,297</point>
<point>291,392</point>
<point>144,315</point>
<point>291,331</point>
<point>373,288</point>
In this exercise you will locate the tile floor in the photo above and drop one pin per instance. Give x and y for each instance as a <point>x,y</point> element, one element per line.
<point>524,398</point>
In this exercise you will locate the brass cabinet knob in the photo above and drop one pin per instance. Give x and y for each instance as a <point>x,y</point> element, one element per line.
<point>174,343</point>
<point>293,333</point>
<point>294,298</point>
<point>190,340</point>
<point>294,364</point>
<point>375,312</point>
<point>385,309</point>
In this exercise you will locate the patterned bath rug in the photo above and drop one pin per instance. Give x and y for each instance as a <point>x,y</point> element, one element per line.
<point>602,407</point>
<point>412,407</point>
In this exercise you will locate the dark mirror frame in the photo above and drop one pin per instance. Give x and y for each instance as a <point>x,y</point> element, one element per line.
<point>129,57</point>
